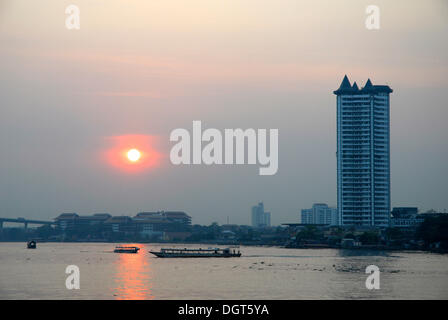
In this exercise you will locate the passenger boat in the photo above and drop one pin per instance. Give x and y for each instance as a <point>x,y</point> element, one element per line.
<point>31,244</point>
<point>120,249</point>
<point>196,253</point>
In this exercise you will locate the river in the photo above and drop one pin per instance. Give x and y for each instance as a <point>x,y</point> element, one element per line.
<point>261,273</point>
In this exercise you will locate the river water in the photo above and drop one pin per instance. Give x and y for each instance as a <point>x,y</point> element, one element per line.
<point>261,273</point>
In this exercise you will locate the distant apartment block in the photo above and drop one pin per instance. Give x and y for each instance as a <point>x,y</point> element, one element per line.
<point>320,213</point>
<point>260,218</point>
<point>363,154</point>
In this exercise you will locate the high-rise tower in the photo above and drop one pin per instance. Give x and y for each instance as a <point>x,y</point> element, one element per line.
<point>363,154</point>
<point>260,218</point>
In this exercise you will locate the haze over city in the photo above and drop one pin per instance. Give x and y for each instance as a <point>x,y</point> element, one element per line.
<point>133,73</point>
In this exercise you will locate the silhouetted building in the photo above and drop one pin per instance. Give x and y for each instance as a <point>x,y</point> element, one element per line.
<point>120,224</point>
<point>161,224</point>
<point>148,215</point>
<point>404,212</point>
<point>66,221</point>
<point>95,219</point>
<point>178,217</point>
<point>70,221</point>
<point>406,217</point>
<point>363,154</point>
<point>151,227</point>
<point>173,221</point>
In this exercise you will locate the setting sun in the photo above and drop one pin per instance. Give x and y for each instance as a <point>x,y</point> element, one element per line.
<point>134,155</point>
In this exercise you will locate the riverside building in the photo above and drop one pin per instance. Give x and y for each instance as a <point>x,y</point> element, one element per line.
<point>363,154</point>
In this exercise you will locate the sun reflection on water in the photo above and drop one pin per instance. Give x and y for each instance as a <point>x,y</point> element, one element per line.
<point>133,276</point>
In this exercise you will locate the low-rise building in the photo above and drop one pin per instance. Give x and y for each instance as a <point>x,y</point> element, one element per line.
<point>95,219</point>
<point>179,217</point>
<point>150,228</point>
<point>173,221</point>
<point>406,217</point>
<point>120,224</point>
<point>147,224</point>
<point>66,221</point>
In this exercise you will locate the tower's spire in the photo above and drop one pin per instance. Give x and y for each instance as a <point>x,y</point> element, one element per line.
<point>355,86</point>
<point>368,84</point>
<point>345,84</point>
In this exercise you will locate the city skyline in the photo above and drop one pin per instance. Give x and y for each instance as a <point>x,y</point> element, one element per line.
<point>138,72</point>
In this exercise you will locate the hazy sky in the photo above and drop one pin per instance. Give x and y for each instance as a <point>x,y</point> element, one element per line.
<point>144,68</point>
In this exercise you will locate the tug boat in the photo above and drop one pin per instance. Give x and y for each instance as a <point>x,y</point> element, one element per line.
<point>196,253</point>
<point>31,244</point>
<point>120,249</point>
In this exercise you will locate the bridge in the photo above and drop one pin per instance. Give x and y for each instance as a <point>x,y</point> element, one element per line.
<point>305,224</point>
<point>26,222</point>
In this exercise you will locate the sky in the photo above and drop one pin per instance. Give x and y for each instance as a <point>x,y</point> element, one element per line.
<point>136,70</point>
